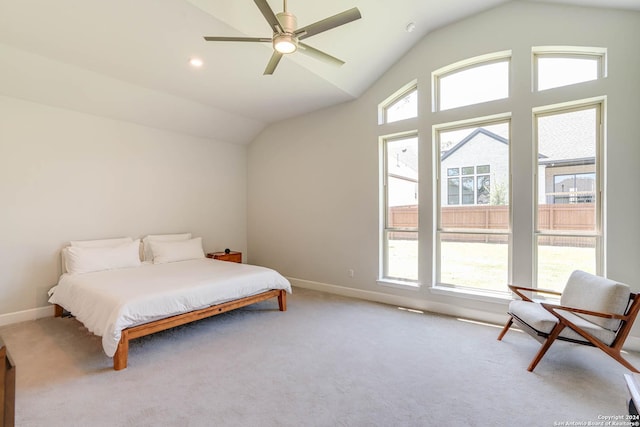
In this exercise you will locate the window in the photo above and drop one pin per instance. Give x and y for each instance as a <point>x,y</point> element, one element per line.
<point>464,84</point>
<point>476,186</point>
<point>400,195</point>
<point>562,66</point>
<point>401,106</point>
<point>473,215</point>
<point>568,235</point>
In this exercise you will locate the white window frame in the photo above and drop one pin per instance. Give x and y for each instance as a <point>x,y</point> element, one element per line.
<point>463,65</point>
<point>598,233</point>
<point>398,95</point>
<point>384,278</point>
<point>597,53</point>
<point>437,129</point>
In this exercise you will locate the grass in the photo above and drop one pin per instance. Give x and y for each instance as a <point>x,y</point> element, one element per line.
<point>485,265</point>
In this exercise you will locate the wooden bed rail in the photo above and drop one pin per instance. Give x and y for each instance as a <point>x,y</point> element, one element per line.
<point>122,353</point>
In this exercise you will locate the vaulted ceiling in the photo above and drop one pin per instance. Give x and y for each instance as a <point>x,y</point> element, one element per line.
<point>129,59</point>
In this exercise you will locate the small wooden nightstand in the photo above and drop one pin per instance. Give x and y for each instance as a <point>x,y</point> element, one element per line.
<point>232,256</point>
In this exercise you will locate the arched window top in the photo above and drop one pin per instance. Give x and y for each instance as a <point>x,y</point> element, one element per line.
<point>472,81</point>
<point>401,105</point>
<point>557,66</point>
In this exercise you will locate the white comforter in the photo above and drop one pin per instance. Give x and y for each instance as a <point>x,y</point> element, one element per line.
<point>107,302</point>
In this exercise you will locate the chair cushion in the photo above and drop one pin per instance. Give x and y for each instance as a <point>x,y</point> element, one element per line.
<point>595,293</point>
<point>538,318</point>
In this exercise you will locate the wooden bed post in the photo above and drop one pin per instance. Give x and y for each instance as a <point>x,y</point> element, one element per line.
<point>282,300</point>
<point>59,311</point>
<point>122,352</point>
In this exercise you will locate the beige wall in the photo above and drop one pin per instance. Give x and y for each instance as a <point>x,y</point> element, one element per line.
<point>66,175</point>
<point>314,180</point>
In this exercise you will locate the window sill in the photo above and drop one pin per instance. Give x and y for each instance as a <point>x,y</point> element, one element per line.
<point>474,294</point>
<point>400,284</point>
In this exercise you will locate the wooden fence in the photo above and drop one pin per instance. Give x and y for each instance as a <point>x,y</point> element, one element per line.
<point>565,217</point>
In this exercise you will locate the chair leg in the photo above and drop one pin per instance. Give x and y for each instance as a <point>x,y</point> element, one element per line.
<point>545,346</point>
<point>506,328</point>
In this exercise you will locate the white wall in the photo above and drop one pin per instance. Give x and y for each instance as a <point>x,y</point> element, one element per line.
<point>313,180</point>
<point>66,175</point>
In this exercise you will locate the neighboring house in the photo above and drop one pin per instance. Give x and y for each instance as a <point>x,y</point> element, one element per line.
<point>475,170</point>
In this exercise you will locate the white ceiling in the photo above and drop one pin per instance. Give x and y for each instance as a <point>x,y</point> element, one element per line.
<point>128,59</point>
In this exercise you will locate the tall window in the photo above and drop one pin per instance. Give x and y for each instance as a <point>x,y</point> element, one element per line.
<point>568,231</point>
<point>400,198</point>
<point>473,206</point>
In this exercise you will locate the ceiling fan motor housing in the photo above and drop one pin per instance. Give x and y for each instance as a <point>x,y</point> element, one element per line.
<point>286,42</point>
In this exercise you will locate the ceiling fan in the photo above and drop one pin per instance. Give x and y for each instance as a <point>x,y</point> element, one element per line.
<point>287,37</point>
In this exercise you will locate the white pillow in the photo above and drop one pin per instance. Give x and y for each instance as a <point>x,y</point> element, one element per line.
<point>102,243</point>
<point>81,259</point>
<point>146,242</point>
<point>180,250</point>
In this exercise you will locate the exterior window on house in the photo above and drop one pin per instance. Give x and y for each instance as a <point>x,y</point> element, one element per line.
<point>556,67</point>
<point>400,195</point>
<point>473,207</point>
<point>461,84</point>
<point>568,232</point>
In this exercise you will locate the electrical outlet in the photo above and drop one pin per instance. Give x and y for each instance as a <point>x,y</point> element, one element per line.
<point>351,272</point>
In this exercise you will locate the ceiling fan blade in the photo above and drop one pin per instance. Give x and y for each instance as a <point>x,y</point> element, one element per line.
<point>268,14</point>
<point>328,23</point>
<point>237,39</point>
<point>318,54</point>
<point>273,63</point>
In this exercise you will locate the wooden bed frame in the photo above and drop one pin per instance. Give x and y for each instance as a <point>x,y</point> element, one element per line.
<point>120,358</point>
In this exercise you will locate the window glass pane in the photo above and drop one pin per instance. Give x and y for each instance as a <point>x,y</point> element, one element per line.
<point>402,157</point>
<point>467,191</point>
<point>484,197</point>
<point>478,261</point>
<point>567,171</point>
<point>556,71</point>
<point>404,108</point>
<point>558,256</point>
<point>453,171</point>
<point>402,255</point>
<point>400,249</point>
<point>474,85</point>
<point>402,200</point>
<point>453,191</point>
<point>468,170</point>
<point>484,189</point>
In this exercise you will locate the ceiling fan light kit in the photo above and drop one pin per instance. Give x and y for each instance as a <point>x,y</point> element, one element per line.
<point>286,34</point>
<point>285,43</point>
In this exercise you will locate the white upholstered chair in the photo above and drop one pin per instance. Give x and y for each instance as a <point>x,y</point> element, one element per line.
<point>593,311</point>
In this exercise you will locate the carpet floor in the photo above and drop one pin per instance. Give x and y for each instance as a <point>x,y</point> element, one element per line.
<point>327,361</point>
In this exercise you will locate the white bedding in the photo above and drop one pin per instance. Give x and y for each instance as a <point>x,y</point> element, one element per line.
<point>107,302</point>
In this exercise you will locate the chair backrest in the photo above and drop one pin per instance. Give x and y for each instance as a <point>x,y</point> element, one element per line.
<point>595,293</point>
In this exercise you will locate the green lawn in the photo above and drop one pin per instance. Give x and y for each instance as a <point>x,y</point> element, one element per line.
<point>484,265</point>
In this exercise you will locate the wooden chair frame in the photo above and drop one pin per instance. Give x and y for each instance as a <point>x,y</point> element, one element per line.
<point>613,350</point>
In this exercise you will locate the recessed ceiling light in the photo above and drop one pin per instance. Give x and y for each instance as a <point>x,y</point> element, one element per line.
<point>410,27</point>
<point>196,62</point>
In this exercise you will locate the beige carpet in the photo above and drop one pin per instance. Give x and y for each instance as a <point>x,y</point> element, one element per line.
<point>327,361</point>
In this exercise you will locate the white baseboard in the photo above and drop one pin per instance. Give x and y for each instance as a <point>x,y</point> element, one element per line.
<point>401,301</point>
<point>25,315</point>
<point>632,343</point>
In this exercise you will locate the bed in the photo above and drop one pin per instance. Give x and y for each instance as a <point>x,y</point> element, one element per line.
<point>120,298</point>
